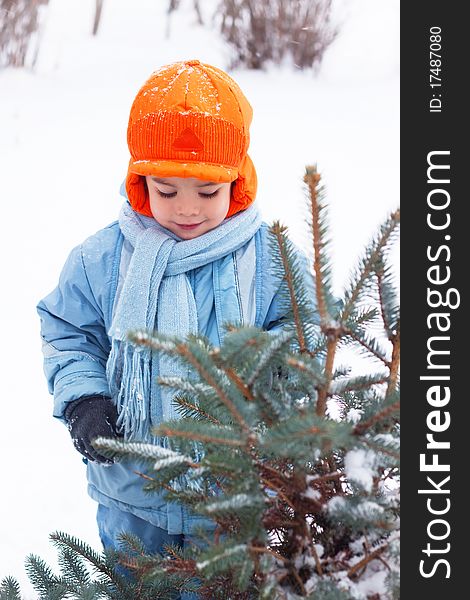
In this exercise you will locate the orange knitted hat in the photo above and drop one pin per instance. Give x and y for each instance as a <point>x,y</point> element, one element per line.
<point>190,119</point>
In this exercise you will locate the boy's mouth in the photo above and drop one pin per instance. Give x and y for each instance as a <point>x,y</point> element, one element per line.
<point>189,225</point>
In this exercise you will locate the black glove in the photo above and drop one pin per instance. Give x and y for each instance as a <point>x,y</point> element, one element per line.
<point>89,418</point>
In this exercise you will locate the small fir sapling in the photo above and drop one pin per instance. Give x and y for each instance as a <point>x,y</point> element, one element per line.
<point>305,499</point>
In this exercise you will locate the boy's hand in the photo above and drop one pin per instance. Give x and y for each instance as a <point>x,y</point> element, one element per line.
<point>89,418</point>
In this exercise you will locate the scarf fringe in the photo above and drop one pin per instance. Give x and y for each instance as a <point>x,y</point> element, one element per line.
<point>129,369</point>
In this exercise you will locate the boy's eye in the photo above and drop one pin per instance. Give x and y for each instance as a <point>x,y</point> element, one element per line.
<point>173,194</point>
<point>163,195</point>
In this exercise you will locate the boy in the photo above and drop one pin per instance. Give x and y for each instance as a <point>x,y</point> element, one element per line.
<point>188,253</point>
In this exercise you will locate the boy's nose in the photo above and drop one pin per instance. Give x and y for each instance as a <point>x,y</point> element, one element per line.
<point>187,209</point>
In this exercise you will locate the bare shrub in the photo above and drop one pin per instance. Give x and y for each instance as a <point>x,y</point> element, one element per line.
<point>263,31</point>
<point>19,31</point>
<point>175,5</point>
<point>97,19</point>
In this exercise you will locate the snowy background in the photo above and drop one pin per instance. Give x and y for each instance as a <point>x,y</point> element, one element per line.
<point>64,155</point>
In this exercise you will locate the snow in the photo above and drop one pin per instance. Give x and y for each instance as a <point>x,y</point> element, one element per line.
<point>64,157</point>
<point>336,504</point>
<point>228,552</point>
<point>368,586</point>
<point>354,415</point>
<point>311,493</point>
<point>235,502</point>
<point>171,461</point>
<point>368,510</point>
<point>358,465</point>
<point>373,583</point>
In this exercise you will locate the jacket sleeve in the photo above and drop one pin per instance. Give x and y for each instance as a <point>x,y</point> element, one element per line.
<point>74,338</point>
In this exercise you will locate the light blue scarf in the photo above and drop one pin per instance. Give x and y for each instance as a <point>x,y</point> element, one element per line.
<point>157,295</point>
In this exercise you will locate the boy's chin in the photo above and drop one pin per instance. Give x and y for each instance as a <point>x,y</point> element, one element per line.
<point>189,235</point>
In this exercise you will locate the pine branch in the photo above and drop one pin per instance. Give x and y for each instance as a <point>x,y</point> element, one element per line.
<point>302,435</point>
<point>360,428</point>
<point>41,575</point>
<point>327,477</point>
<point>369,263</point>
<point>131,544</point>
<point>330,329</point>
<point>370,345</point>
<point>73,569</point>
<point>240,384</point>
<point>147,477</point>
<point>279,491</point>
<point>371,444</point>
<point>318,564</point>
<point>322,270</point>
<point>210,439</point>
<point>187,351</point>
<point>214,559</point>
<point>250,338</point>
<point>362,316</point>
<point>10,589</point>
<point>312,179</point>
<point>395,362</point>
<point>260,550</point>
<point>387,299</point>
<point>279,232</point>
<point>61,540</point>
<point>307,367</point>
<point>193,410</point>
<point>114,448</point>
<point>324,390</point>
<point>232,504</point>
<point>366,560</point>
<point>364,382</point>
<point>275,345</point>
<point>183,385</point>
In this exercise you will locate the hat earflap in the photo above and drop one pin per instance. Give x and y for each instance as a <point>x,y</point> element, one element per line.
<point>138,194</point>
<point>244,190</point>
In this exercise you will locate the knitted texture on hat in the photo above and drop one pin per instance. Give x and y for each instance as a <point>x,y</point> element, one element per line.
<point>190,119</point>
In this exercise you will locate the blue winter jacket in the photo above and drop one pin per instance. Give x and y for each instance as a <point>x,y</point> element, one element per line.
<point>75,319</point>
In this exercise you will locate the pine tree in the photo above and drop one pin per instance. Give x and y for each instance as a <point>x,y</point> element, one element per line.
<point>300,454</point>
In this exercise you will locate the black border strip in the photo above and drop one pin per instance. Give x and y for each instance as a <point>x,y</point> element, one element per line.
<point>434,251</point>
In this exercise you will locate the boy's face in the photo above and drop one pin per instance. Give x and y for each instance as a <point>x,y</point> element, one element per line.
<point>188,206</point>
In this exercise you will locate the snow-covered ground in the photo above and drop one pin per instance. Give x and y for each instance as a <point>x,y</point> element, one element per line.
<point>64,155</point>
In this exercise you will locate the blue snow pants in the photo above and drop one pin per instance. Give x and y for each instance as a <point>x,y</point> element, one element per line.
<point>112,522</point>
